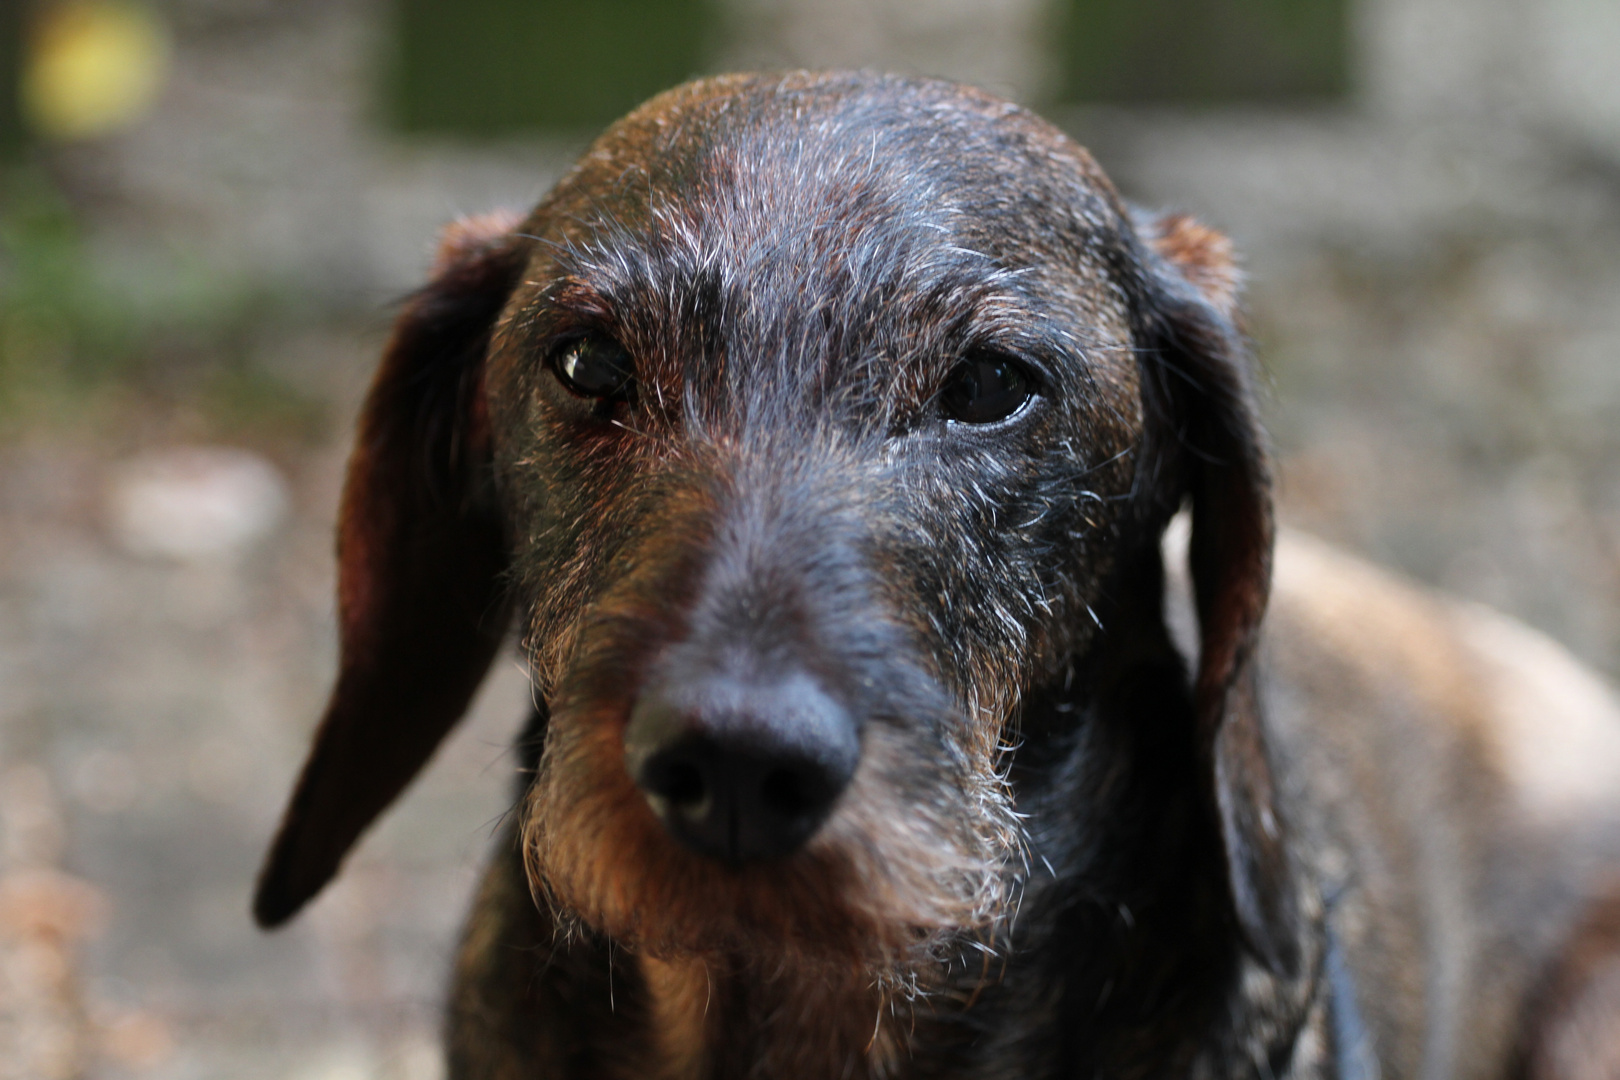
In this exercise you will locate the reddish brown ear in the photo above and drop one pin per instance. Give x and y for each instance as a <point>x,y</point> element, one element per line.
<point>1202,256</point>
<point>1204,378</point>
<point>421,554</point>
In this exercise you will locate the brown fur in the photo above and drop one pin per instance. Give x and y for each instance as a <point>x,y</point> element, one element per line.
<point>1575,1034</point>
<point>1205,256</point>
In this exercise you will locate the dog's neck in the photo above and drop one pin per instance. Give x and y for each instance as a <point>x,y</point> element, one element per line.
<point>714,1017</point>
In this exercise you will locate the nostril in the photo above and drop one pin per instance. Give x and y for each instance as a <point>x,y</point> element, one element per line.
<point>678,782</point>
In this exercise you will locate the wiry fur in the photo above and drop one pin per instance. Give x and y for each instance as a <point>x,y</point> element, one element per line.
<point>1070,848</point>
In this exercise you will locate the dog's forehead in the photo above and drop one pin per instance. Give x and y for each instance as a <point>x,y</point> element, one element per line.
<point>865,179</point>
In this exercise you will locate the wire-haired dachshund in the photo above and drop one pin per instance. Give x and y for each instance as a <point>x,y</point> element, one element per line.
<point>821,433</point>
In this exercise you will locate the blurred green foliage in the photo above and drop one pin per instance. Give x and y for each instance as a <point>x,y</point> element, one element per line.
<point>491,67</point>
<point>1203,51</point>
<point>76,328</point>
<point>12,14</point>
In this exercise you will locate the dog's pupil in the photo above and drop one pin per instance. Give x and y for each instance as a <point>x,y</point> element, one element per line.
<point>596,367</point>
<point>984,388</point>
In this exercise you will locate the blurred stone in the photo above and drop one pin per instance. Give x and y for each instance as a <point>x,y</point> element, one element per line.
<point>30,826</point>
<point>49,904</point>
<point>351,1061</point>
<point>105,781</point>
<point>44,1033</point>
<point>195,503</point>
<point>996,44</point>
<point>137,1039</point>
<point>217,768</point>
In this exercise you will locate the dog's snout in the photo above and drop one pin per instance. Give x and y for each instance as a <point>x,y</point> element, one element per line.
<point>741,772</point>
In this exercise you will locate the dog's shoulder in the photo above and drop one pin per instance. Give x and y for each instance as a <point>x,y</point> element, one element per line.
<point>1392,661</point>
<point>1453,780</point>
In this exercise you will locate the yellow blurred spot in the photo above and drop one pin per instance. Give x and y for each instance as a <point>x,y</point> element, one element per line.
<point>92,67</point>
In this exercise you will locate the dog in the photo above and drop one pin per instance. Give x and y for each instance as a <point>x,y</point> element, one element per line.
<point>821,435</point>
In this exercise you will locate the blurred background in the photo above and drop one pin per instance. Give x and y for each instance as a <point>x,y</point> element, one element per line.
<point>207,208</point>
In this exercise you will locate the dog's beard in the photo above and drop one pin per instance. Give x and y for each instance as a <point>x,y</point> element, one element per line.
<point>911,861</point>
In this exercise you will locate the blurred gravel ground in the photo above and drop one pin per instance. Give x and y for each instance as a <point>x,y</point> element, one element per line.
<point>152,714</point>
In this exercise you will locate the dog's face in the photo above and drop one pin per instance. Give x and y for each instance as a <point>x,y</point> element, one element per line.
<point>808,426</point>
<point>814,442</point>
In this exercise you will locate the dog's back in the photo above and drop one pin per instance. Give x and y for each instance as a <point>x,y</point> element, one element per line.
<point>1458,775</point>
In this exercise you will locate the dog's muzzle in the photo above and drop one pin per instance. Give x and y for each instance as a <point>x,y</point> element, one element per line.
<point>741,770</point>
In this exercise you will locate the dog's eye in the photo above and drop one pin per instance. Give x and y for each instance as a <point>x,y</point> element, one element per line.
<point>985,387</point>
<point>596,366</point>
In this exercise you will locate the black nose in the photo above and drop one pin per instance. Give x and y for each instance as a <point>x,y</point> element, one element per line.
<point>741,771</point>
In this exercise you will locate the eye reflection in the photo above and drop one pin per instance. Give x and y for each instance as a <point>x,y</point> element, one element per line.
<point>596,366</point>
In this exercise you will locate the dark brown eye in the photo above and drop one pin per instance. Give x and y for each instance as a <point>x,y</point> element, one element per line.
<point>984,388</point>
<point>597,367</point>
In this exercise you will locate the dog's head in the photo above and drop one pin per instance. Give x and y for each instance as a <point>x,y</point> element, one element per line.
<point>809,425</point>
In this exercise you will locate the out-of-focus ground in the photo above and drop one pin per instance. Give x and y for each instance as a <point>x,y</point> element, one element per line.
<point>1435,288</point>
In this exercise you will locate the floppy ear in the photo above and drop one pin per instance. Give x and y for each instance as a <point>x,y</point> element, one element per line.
<point>1204,376</point>
<point>421,604</point>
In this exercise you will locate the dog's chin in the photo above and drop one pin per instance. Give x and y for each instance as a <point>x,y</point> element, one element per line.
<point>882,886</point>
